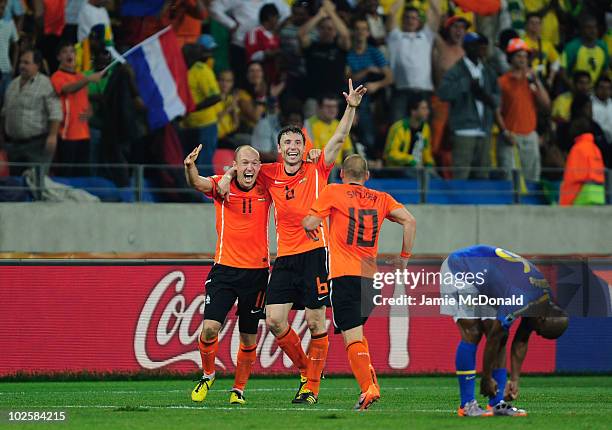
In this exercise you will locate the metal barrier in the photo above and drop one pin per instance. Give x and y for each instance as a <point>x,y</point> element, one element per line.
<point>161,183</point>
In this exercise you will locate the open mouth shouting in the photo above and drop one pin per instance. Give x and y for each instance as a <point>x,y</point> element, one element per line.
<point>249,178</point>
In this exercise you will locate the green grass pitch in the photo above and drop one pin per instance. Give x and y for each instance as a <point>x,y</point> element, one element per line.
<point>553,402</point>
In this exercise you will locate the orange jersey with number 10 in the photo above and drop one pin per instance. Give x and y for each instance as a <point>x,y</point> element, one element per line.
<point>242,226</point>
<point>356,214</point>
<point>293,197</point>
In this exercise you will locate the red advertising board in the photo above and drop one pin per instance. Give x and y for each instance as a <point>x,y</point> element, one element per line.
<point>118,317</point>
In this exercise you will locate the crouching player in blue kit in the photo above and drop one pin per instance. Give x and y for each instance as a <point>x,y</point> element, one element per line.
<point>486,289</point>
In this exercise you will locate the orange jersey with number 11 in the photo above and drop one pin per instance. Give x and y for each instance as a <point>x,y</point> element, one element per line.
<point>356,214</point>
<point>242,226</point>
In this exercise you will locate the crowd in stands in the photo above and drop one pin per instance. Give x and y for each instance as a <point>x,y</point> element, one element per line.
<point>466,89</point>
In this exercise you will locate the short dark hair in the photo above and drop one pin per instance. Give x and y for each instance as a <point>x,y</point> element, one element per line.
<point>530,15</point>
<point>412,8</point>
<point>64,43</point>
<point>414,102</point>
<point>290,129</point>
<point>267,11</point>
<point>587,17</point>
<point>326,96</point>
<point>580,74</point>
<point>578,104</point>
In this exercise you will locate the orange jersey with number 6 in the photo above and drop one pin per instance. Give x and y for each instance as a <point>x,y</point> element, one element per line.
<point>242,226</point>
<point>356,214</point>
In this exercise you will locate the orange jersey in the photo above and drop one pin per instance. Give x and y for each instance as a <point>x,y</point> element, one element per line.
<point>356,214</point>
<point>293,196</point>
<point>242,226</point>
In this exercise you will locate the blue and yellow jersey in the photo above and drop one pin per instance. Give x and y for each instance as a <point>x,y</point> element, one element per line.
<point>504,274</point>
<point>406,147</point>
<point>593,60</point>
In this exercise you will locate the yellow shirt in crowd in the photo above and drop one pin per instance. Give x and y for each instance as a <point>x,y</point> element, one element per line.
<point>320,132</point>
<point>203,84</point>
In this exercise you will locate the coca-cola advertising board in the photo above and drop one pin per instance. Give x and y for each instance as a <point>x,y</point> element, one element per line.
<point>119,317</point>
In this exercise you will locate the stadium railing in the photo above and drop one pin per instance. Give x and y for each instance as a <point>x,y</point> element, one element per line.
<point>164,183</point>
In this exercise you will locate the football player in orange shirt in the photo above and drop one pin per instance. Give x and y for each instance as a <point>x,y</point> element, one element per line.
<point>241,266</point>
<point>299,274</point>
<point>356,214</point>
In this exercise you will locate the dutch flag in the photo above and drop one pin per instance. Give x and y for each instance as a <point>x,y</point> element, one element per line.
<point>161,77</point>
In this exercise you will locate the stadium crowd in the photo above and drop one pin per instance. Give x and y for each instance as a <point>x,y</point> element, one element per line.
<point>465,88</point>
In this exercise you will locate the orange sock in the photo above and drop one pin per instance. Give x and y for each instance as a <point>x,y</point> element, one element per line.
<point>359,359</point>
<point>246,358</point>
<point>372,371</point>
<point>208,352</point>
<point>317,353</point>
<point>291,344</point>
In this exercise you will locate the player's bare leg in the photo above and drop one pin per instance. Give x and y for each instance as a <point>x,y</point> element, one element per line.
<point>361,365</point>
<point>247,355</point>
<point>208,343</point>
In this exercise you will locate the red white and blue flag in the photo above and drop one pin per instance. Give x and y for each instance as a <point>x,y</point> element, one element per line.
<point>161,77</point>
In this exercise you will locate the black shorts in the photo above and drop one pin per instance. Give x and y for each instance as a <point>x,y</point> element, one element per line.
<point>352,299</point>
<point>300,279</point>
<point>226,284</point>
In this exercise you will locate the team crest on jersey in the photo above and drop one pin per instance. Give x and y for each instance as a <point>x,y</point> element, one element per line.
<point>289,193</point>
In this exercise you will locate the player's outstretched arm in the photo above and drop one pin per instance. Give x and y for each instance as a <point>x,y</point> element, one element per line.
<point>497,336</point>
<point>353,99</point>
<point>518,353</point>
<point>192,175</point>
<point>408,222</point>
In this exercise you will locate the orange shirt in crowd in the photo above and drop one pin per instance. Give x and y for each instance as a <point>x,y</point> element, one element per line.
<point>518,105</point>
<point>356,214</point>
<point>242,226</point>
<point>293,196</point>
<point>75,106</point>
<point>584,165</point>
<point>187,22</point>
<point>54,16</point>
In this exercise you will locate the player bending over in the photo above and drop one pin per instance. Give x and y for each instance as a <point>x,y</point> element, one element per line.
<point>241,264</point>
<point>356,214</point>
<point>496,274</point>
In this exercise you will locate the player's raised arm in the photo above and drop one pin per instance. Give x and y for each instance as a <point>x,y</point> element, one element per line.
<point>192,175</point>
<point>408,222</point>
<point>497,336</point>
<point>353,99</point>
<point>517,356</point>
